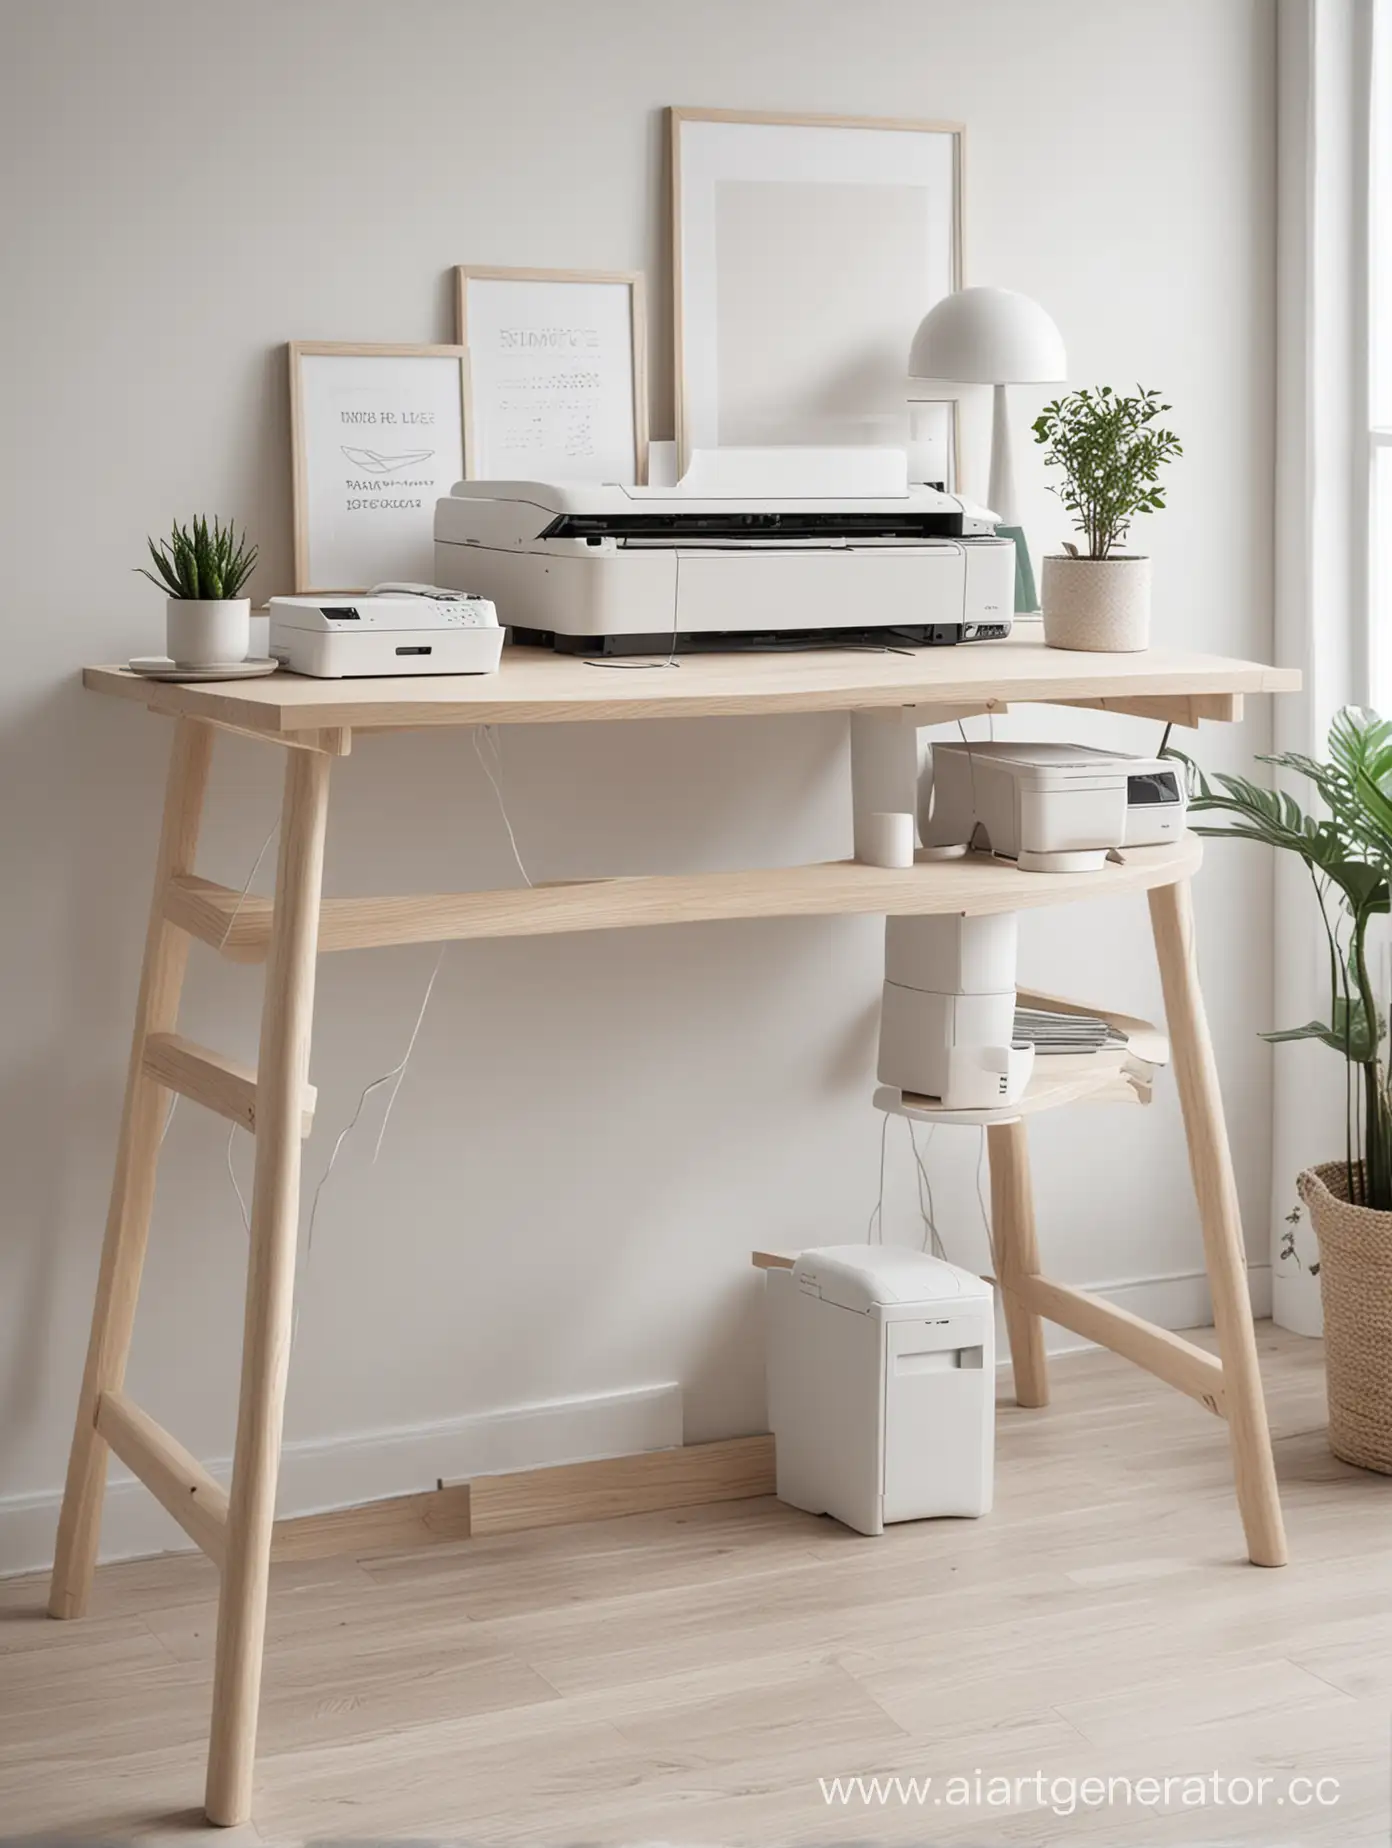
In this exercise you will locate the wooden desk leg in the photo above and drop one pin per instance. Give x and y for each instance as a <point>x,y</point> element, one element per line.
<point>133,1186</point>
<point>282,1068</point>
<point>1200,1097</point>
<point>1016,1255</point>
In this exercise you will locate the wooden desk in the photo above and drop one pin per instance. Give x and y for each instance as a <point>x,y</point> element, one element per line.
<point>316,720</point>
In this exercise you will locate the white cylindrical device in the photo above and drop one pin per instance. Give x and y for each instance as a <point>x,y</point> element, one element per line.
<point>887,839</point>
<point>947,1014</point>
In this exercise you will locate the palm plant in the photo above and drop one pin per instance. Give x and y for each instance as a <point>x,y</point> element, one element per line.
<point>1348,855</point>
<point>199,560</point>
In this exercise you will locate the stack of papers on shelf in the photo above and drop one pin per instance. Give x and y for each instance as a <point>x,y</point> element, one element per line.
<point>1049,1032</point>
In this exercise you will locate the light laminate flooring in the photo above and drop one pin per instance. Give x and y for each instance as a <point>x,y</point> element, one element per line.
<point>690,1677</point>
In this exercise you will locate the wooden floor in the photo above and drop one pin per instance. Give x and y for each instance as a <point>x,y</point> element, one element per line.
<point>689,1677</point>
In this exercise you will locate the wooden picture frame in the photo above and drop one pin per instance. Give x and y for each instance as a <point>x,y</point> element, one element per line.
<point>317,483</point>
<point>344,518</point>
<point>510,416</point>
<point>744,149</point>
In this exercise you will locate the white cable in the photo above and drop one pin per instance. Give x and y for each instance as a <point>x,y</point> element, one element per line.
<point>173,1106</point>
<point>497,782</point>
<point>926,1209</point>
<point>246,887</point>
<point>232,1176</point>
<point>397,1075</point>
<point>410,1048</point>
<point>985,1215</point>
<point>397,1072</point>
<point>877,1213</point>
<point>671,661</point>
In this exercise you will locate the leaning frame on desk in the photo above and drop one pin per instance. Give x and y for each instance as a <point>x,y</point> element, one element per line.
<point>314,721</point>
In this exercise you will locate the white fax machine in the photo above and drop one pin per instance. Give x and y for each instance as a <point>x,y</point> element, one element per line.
<point>752,548</point>
<point>1051,807</point>
<point>396,629</point>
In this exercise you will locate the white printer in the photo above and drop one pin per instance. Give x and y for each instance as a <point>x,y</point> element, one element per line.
<point>752,548</point>
<point>396,629</point>
<point>882,1385</point>
<point>1051,807</point>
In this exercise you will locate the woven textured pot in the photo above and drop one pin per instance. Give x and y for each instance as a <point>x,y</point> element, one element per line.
<point>1100,605</point>
<point>1355,1247</point>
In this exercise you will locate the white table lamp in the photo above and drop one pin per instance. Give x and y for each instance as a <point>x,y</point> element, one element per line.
<point>990,337</point>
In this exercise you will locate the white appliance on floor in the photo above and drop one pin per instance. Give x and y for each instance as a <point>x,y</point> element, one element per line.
<point>881,1385</point>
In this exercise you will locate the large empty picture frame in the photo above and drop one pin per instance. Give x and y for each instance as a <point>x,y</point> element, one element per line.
<point>377,436</point>
<point>806,249</point>
<point>557,374</point>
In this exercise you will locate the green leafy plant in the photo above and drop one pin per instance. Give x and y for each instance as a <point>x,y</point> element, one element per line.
<point>1348,855</point>
<point>199,560</point>
<point>1111,451</point>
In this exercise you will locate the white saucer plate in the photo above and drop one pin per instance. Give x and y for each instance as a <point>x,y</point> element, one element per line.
<point>160,667</point>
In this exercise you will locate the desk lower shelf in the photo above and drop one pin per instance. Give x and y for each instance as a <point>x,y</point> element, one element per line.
<point>977,885</point>
<point>1119,1074</point>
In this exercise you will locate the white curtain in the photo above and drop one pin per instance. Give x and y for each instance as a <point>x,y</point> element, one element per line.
<point>1324,60</point>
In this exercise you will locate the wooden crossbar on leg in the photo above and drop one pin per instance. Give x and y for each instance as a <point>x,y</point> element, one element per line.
<point>133,1185</point>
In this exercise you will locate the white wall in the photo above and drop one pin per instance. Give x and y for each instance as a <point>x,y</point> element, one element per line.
<point>595,1130</point>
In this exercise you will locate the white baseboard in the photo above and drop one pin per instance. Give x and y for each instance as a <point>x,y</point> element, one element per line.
<point>343,1472</point>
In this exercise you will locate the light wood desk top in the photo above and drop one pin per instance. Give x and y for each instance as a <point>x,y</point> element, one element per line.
<point>535,686</point>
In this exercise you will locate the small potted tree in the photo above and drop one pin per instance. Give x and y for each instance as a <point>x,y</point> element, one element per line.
<point>203,569</point>
<point>1348,853</point>
<point>1110,451</point>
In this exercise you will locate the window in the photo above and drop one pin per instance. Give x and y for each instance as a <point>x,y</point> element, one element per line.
<point>1380,361</point>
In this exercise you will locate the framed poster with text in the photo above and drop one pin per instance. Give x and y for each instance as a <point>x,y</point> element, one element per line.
<point>377,436</point>
<point>557,376</point>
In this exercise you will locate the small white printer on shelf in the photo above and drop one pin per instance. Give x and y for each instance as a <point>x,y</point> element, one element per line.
<point>754,548</point>
<point>1054,808</point>
<point>395,629</point>
<point>881,1385</point>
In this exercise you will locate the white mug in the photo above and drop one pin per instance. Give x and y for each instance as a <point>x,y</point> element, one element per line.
<point>889,839</point>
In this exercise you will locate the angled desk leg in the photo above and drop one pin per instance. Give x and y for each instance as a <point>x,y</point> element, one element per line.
<point>1201,1100</point>
<point>282,1068</point>
<point>1017,1256</point>
<point>133,1187</point>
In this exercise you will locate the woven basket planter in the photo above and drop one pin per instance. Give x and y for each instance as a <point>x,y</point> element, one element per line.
<point>1099,605</point>
<point>1355,1247</point>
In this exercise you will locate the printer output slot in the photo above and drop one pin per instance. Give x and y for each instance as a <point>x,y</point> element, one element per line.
<point>945,523</point>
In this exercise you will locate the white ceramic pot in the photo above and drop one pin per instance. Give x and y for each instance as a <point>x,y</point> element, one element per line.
<point>1101,605</point>
<point>207,631</point>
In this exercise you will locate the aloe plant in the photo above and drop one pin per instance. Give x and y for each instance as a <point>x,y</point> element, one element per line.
<point>1348,854</point>
<point>199,560</point>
